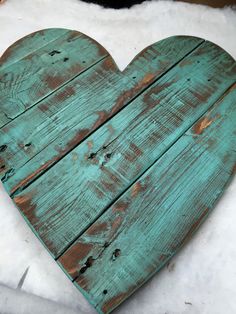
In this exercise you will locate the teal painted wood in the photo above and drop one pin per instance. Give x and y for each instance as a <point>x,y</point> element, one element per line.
<point>143,229</point>
<point>35,74</point>
<point>53,120</point>
<point>115,170</point>
<point>28,44</point>
<point>138,134</point>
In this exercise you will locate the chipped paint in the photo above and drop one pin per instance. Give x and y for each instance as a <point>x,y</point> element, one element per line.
<point>75,258</point>
<point>26,205</point>
<point>202,125</point>
<point>126,187</point>
<point>67,92</point>
<point>114,302</point>
<point>136,189</point>
<point>30,177</point>
<point>53,81</point>
<point>120,206</point>
<point>97,228</point>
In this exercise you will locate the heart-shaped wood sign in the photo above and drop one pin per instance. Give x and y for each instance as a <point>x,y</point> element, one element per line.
<point>114,170</point>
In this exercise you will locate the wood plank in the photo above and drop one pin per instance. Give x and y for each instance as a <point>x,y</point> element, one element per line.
<point>115,170</point>
<point>41,71</point>
<point>147,225</point>
<point>30,43</point>
<point>112,158</point>
<point>22,48</point>
<point>64,118</point>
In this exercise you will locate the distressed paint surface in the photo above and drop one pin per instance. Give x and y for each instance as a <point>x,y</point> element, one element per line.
<point>54,120</point>
<point>114,170</point>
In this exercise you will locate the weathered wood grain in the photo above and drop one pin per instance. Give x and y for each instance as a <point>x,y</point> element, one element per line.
<point>64,119</point>
<point>111,159</point>
<point>30,43</point>
<point>115,170</point>
<point>34,74</point>
<point>145,227</point>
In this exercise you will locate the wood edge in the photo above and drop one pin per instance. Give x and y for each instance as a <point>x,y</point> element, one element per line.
<point>177,37</point>
<point>144,50</point>
<point>6,54</point>
<point>222,49</point>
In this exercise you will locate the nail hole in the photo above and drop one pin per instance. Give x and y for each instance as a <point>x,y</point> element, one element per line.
<point>134,77</point>
<point>92,155</point>
<point>54,52</point>
<point>188,79</point>
<point>83,61</point>
<point>89,261</point>
<point>65,59</point>
<point>108,156</point>
<point>3,148</point>
<point>105,291</point>
<point>87,264</point>
<point>198,61</point>
<point>3,167</point>
<point>115,254</point>
<point>209,80</point>
<point>83,270</point>
<point>28,145</point>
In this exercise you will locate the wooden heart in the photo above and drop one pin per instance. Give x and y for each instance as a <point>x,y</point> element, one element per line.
<point>115,170</point>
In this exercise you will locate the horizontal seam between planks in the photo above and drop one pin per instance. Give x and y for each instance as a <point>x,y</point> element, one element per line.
<point>150,166</point>
<point>84,139</point>
<point>56,90</point>
<point>33,51</point>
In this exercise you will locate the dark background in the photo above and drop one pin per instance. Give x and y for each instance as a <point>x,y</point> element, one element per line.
<point>117,4</point>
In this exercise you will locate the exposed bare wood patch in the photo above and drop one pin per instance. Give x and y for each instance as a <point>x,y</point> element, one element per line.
<point>115,171</point>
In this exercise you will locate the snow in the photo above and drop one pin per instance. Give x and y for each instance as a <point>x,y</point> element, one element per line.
<point>201,279</point>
